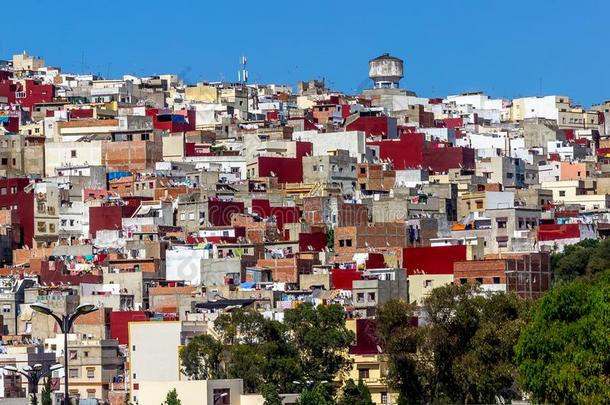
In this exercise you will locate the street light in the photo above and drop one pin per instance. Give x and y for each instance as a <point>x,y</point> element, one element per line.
<point>218,397</point>
<point>65,323</point>
<point>33,374</point>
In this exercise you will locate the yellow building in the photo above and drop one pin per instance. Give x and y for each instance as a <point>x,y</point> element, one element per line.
<point>202,93</point>
<point>368,364</point>
<point>92,364</point>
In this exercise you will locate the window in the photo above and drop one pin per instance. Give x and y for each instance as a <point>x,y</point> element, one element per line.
<point>51,228</point>
<point>73,153</point>
<point>90,372</point>
<point>6,308</point>
<point>479,204</point>
<point>348,242</point>
<point>341,243</point>
<point>73,373</point>
<point>360,297</point>
<point>463,281</point>
<point>501,224</point>
<point>314,168</point>
<point>4,161</point>
<point>363,373</point>
<point>384,397</point>
<point>562,193</point>
<point>41,227</point>
<point>372,297</point>
<point>133,349</point>
<point>509,175</point>
<point>427,283</point>
<point>86,353</point>
<point>222,396</point>
<point>72,354</point>
<point>479,280</point>
<point>496,280</point>
<point>90,394</point>
<point>191,215</point>
<point>363,170</point>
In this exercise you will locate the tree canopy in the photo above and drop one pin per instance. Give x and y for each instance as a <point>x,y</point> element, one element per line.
<point>321,339</point>
<point>585,258</point>
<point>270,394</point>
<point>355,394</point>
<point>201,358</point>
<point>563,354</point>
<point>310,345</point>
<point>463,351</point>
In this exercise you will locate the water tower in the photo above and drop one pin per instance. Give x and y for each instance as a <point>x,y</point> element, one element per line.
<point>386,71</point>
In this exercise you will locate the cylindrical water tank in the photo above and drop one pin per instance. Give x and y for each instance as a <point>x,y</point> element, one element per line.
<point>386,71</point>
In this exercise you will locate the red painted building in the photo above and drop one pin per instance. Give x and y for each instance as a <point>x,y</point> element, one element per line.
<point>413,151</point>
<point>315,240</point>
<point>34,93</point>
<point>14,198</point>
<point>432,260</point>
<point>374,126</point>
<point>177,121</point>
<point>548,232</point>
<point>342,279</point>
<point>56,272</point>
<point>367,340</point>
<point>285,169</point>
<point>105,218</point>
<point>119,324</point>
<point>220,211</point>
<point>80,113</point>
<point>110,217</point>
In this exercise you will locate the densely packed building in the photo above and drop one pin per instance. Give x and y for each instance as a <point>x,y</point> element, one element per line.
<point>166,204</point>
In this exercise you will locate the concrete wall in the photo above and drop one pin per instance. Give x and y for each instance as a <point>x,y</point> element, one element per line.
<point>153,353</point>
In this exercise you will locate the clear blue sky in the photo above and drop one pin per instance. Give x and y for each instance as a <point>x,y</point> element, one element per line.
<point>505,48</point>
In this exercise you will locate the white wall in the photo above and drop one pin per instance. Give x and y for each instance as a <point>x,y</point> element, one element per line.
<point>184,265</point>
<point>153,352</point>
<point>352,141</point>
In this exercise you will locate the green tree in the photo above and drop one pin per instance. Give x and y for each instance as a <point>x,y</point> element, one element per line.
<point>172,398</point>
<point>246,362</point>
<point>399,339</point>
<point>321,340</point>
<point>270,395</point>
<point>486,368</point>
<point>240,326</point>
<point>45,394</point>
<point>353,394</point>
<point>563,354</point>
<point>259,350</point>
<point>201,358</point>
<point>573,262</point>
<point>464,351</point>
<point>317,395</point>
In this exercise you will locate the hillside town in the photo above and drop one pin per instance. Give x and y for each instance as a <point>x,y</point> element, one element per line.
<point>241,243</point>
